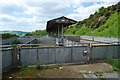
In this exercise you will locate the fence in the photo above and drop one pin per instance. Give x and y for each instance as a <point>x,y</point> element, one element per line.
<point>8,41</point>
<point>72,38</point>
<point>57,55</point>
<point>52,55</point>
<point>52,40</point>
<point>101,39</point>
<point>46,40</point>
<point>9,57</point>
<point>102,52</point>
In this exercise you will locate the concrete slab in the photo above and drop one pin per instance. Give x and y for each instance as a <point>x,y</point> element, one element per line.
<point>110,75</point>
<point>90,76</point>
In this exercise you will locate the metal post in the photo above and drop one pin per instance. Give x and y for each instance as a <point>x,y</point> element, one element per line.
<point>58,31</point>
<point>62,31</point>
<point>89,46</point>
<point>62,35</point>
<point>58,35</point>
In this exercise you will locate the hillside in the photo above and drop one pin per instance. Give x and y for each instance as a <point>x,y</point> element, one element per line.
<point>103,23</point>
<point>12,32</point>
<point>37,32</point>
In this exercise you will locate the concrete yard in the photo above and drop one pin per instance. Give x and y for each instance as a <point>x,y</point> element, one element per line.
<point>68,71</point>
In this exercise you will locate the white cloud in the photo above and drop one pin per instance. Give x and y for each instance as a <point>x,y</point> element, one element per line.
<point>23,24</point>
<point>48,9</point>
<point>7,17</point>
<point>84,12</point>
<point>42,11</point>
<point>12,8</point>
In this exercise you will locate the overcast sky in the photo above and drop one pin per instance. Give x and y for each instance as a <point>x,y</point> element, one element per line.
<point>31,15</point>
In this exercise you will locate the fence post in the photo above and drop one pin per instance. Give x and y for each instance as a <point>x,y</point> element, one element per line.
<point>72,54</point>
<point>55,54</point>
<point>89,47</point>
<point>16,56</point>
<point>0,65</point>
<point>38,56</point>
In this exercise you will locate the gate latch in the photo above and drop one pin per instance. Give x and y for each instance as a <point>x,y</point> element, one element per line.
<point>85,53</point>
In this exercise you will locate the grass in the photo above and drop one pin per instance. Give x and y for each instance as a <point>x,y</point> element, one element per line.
<point>109,29</point>
<point>98,73</point>
<point>115,67</point>
<point>27,68</point>
<point>29,72</point>
<point>115,64</point>
<point>82,73</point>
<point>38,68</point>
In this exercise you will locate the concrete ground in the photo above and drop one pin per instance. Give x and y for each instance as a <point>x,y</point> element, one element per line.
<point>96,67</point>
<point>68,71</point>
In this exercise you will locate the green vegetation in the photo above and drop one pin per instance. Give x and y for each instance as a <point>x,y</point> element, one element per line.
<point>7,35</point>
<point>109,29</point>
<point>98,73</point>
<point>82,73</point>
<point>13,32</point>
<point>37,32</point>
<point>38,68</point>
<point>103,23</point>
<point>115,64</point>
<point>16,42</point>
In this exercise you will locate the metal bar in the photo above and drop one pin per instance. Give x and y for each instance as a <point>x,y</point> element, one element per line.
<point>5,46</point>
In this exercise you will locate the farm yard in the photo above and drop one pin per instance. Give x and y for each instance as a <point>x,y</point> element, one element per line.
<point>67,48</point>
<point>68,61</point>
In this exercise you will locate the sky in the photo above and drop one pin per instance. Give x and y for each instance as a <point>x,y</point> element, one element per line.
<point>31,15</point>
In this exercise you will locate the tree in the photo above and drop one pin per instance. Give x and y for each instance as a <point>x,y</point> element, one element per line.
<point>101,9</point>
<point>7,35</point>
<point>37,32</point>
<point>28,34</point>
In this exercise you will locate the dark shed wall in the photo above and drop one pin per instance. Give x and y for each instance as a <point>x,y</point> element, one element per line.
<point>52,25</point>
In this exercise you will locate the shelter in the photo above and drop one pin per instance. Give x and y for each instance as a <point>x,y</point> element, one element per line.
<point>56,26</point>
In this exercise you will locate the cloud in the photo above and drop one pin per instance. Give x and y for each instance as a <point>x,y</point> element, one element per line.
<point>82,12</point>
<point>47,9</point>
<point>30,15</point>
<point>12,6</point>
<point>6,18</point>
<point>23,24</point>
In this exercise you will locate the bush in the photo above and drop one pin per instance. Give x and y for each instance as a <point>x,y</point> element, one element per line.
<point>107,28</point>
<point>37,32</point>
<point>16,42</point>
<point>7,35</point>
<point>115,64</point>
